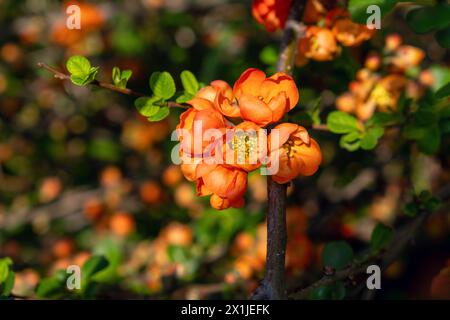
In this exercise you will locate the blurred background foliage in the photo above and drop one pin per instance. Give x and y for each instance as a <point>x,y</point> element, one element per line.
<point>83,177</point>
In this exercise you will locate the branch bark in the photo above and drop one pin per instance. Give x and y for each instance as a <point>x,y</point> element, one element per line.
<point>273,286</point>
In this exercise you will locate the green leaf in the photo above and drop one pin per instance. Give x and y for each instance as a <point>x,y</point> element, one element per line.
<point>370,139</point>
<point>443,38</point>
<point>93,265</point>
<point>163,85</point>
<point>381,237</point>
<point>337,254</point>
<point>5,265</point>
<point>184,98</point>
<point>269,55</point>
<point>52,286</point>
<point>189,81</point>
<point>341,122</point>
<point>120,78</point>
<point>147,106</point>
<point>78,66</point>
<point>86,79</point>
<point>9,284</point>
<point>410,209</point>
<point>351,141</point>
<point>431,140</point>
<point>432,204</point>
<point>443,92</point>
<point>335,291</point>
<point>384,118</point>
<point>116,75</point>
<point>358,8</point>
<point>160,115</point>
<point>427,19</point>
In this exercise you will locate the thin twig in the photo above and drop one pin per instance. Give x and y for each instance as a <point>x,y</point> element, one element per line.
<point>62,76</point>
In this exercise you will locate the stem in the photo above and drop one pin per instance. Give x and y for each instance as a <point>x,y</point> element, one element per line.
<point>273,286</point>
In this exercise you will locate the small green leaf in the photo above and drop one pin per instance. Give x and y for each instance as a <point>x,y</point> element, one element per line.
<point>116,75</point>
<point>443,92</point>
<point>358,8</point>
<point>351,141</point>
<point>120,78</point>
<point>432,204</point>
<point>147,106</point>
<point>163,85</point>
<point>9,284</point>
<point>160,115</point>
<point>52,286</point>
<point>384,118</point>
<point>189,81</point>
<point>184,98</point>
<point>335,291</point>
<point>427,19</point>
<point>269,55</point>
<point>337,255</point>
<point>78,66</point>
<point>381,237</point>
<point>410,209</point>
<point>93,265</point>
<point>443,38</point>
<point>370,139</point>
<point>341,122</point>
<point>5,264</point>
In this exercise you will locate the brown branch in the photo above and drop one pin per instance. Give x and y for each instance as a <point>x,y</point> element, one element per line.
<point>273,286</point>
<point>62,76</point>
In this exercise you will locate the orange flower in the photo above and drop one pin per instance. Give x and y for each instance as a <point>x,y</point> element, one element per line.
<point>265,100</point>
<point>347,32</point>
<point>225,184</point>
<point>220,94</point>
<point>272,14</point>
<point>295,152</point>
<point>392,42</point>
<point>314,11</point>
<point>406,57</point>
<point>319,44</point>
<point>201,117</point>
<point>246,146</point>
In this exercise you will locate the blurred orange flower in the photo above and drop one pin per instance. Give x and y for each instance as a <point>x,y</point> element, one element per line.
<point>319,44</point>
<point>272,14</point>
<point>347,32</point>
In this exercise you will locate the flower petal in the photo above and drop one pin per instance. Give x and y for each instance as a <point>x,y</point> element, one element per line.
<point>255,110</point>
<point>249,83</point>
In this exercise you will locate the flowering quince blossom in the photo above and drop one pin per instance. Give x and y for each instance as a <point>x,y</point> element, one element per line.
<point>296,152</point>
<point>265,100</point>
<point>347,32</point>
<point>219,162</point>
<point>328,28</point>
<point>319,44</point>
<point>272,14</point>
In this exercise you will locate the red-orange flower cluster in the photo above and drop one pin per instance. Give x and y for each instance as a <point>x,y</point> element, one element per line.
<point>329,29</point>
<point>272,14</point>
<point>217,154</point>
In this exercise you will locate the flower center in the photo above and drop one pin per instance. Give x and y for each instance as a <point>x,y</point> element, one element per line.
<point>292,147</point>
<point>244,145</point>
